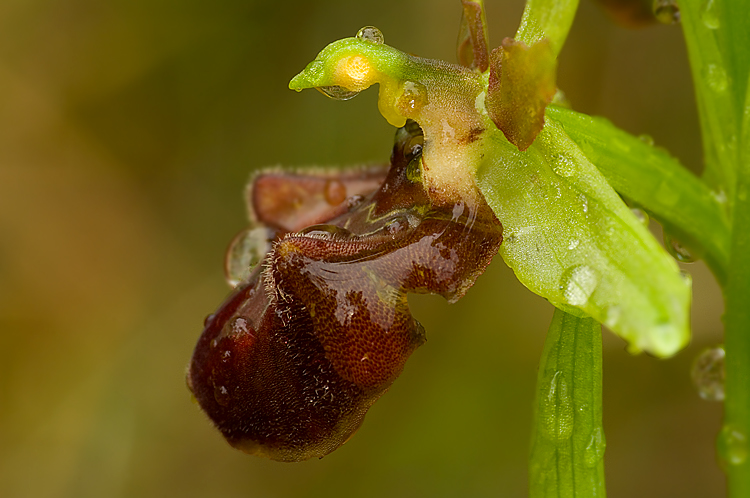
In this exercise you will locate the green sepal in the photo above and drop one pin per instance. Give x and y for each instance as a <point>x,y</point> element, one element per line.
<point>571,239</point>
<point>655,181</point>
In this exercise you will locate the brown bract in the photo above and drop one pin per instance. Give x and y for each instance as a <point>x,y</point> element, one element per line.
<point>290,363</point>
<point>521,85</point>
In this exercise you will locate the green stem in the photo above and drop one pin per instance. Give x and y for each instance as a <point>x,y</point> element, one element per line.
<point>567,446</point>
<point>732,442</point>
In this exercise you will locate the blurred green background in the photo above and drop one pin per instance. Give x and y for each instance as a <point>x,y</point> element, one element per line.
<point>128,129</point>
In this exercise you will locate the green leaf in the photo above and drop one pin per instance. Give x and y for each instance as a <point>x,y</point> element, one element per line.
<point>567,442</point>
<point>717,33</point>
<point>656,181</point>
<point>547,19</point>
<point>571,239</point>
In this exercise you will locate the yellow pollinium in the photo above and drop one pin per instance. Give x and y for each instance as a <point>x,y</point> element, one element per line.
<point>357,73</point>
<point>354,73</point>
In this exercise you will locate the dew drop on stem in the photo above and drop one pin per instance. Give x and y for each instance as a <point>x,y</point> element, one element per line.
<point>716,77</point>
<point>594,451</point>
<point>709,15</point>
<point>666,11</point>
<point>677,250</point>
<point>732,445</point>
<point>556,410</point>
<point>708,373</point>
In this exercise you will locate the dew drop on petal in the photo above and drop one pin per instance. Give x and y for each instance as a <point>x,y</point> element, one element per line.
<point>640,215</point>
<point>371,34</point>
<point>396,225</point>
<point>664,338</point>
<point>687,279</point>
<point>646,139</point>
<point>334,192</point>
<point>578,283</point>
<point>354,201</point>
<point>326,232</point>
<point>337,92</point>
<point>563,165</point>
<point>612,316</point>
<point>412,99</point>
<point>247,249</point>
<point>708,373</point>
<point>221,394</point>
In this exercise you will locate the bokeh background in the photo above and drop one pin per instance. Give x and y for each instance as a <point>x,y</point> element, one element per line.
<point>128,129</point>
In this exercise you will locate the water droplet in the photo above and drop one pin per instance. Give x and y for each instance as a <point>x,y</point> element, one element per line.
<point>396,225</point>
<point>337,92</point>
<point>408,142</point>
<point>208,318</point>
<point>412,99</point>
<point>716,77</point>
<point>646,139</point>
<point>585,203</point>
<point>334,192</point>
<point>573,244</point>
<point>720,196</point>
<point>240,326</point>
<point>354,201</point>
<point>594,451</point>
<point>664,338</point>
<point>709,16</point>
<point>666,11</point>
<point>578,283</point>
<point>640,215</point>
<point>563,165</point>
<point>612,316</point>
<point>687,279</point>
<point>732,445</point>
<point>247,249</point>
<point>556,410</point>
<point>708,373</point>
<point>326,232</point>
<point>677,250</point>
<point>221,395</point>
<point>371,34</point>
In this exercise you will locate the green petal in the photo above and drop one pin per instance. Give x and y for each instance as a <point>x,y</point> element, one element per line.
<point>571,239</point>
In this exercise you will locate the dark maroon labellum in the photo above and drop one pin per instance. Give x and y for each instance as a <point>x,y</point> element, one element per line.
<point>288,366</point>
